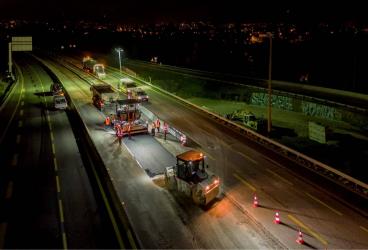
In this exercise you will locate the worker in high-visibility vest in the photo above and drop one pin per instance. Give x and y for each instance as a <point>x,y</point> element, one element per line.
<point>107,121</point>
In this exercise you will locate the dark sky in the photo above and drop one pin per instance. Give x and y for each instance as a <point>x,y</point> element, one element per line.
<point>166,10</point>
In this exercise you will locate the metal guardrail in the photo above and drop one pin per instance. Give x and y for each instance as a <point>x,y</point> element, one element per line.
<point>318,167</point>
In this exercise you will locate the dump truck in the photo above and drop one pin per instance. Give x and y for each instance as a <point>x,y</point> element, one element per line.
<point>191,177</point>
<point>248,119</point>
<point>92,66</point>
<point>128,112</point>
<point>139,94</point>
<point>103,95</point>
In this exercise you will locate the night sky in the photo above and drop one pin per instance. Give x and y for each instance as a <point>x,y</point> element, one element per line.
<point>166,10</point>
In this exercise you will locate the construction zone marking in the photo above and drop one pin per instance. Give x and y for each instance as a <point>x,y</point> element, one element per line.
<point>279,176</point>
<point>244,182</point>
<point>364,229</point>
<point>324,204</point>
<point>306,228</point>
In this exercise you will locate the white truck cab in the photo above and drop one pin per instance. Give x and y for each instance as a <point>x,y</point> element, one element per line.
<point>60,102</point>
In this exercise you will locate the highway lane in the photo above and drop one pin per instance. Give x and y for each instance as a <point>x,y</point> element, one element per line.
<point>159,220</point>
<point>32,215</point>
<point>158,158</point>
<point>49,201</point>
<point>246,169</point>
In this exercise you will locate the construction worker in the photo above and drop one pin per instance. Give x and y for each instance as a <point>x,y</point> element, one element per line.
<point>158,125</point>
<point>165,130</point>
<point>119,134</point>
<point>183,140</point>
<point>107,121</point>
<point>153,128</point>
<point>129,130</point>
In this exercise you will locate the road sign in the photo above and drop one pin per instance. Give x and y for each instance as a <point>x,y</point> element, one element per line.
<point>21,43</point>
<point>317,132</point>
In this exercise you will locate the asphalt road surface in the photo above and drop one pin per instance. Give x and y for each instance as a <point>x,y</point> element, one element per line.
<point>47,200</point>
<point>161,220</point>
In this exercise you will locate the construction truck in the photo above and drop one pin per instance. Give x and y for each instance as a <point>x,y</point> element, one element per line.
<point>103,95</point>
<point>92,66</point>
<point>249,120</point>
<point>139,94</point>
<point>128,112</point>
<point>126,85</point>
<point>190,177</point>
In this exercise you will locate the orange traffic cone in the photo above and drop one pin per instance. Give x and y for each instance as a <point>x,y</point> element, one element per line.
<point>300,238</point>
<point>277,218</point>
<point>255,201</point>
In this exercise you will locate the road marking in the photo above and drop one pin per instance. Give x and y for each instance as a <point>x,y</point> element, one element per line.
<point>310,231</point>
<point>14,161</point>
<point>57,184</point>
<point>61,212</point>
<point>22,104</point>
<point>113,221</point>
<point>52,137</point>
<point>324,204</point>
<point>364,229</point>
<point>274,162</point>
<point>21,112</point>
<point>248,157</point>
<point>55,164</point>
<point>9,190</point>
<point>16,107</point>
<point>244,182</point>
<point>65,245</point>
<point>279,176</point>
<point>20,124</point>
<point>18,139</point>
<point>210,156</point>
<point>3,227</point>
<point>53,148</point>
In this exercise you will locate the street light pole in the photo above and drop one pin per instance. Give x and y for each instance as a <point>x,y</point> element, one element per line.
<point>269,123</point>
<point>119,50</point>
<point>269,106</point>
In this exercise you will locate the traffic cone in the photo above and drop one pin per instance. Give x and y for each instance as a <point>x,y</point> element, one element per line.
<point>255,201</point>
<point>300,240</point>
<point>277,218</point>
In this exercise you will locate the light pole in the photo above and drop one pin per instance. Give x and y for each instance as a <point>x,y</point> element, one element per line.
<point>119,50</point>
<point>269,122</point>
